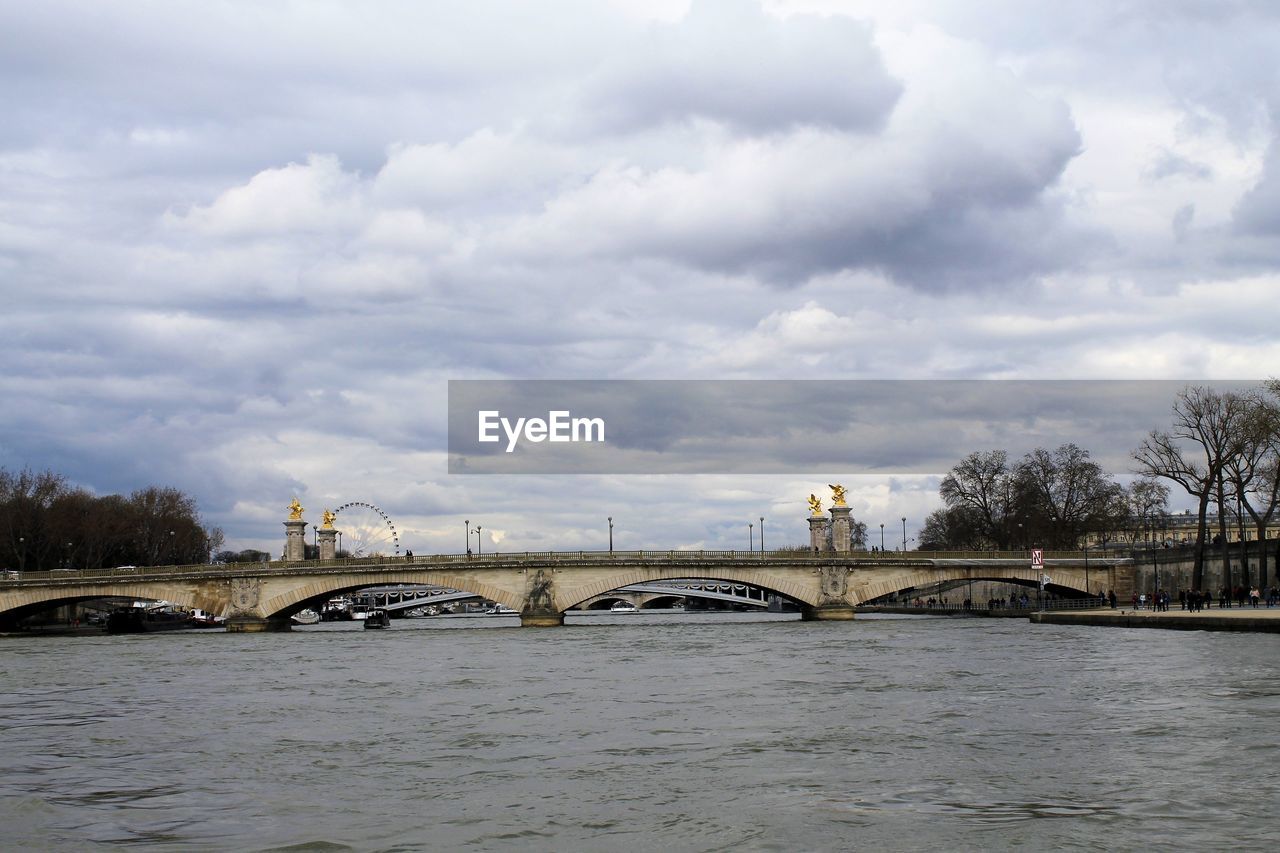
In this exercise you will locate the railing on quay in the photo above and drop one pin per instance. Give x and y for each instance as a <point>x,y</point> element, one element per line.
<point>498,558</point>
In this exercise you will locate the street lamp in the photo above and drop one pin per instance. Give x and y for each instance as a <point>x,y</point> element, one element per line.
<point>479,542</point>
<point>882,537</point>
<point>339,542</point>
<point>904,534</point>
<point>611,534</point>
<point>762,534</point>
<point>1086,569</point>
<point>22,554</point>
<point>173,550</point>
<point>315,540</point>
<point>467,524</point>
<point>751,539</point>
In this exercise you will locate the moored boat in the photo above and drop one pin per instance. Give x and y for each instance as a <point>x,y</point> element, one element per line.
<point>377,619</point>
<point>623,607</point>
<point>147,620</point>
<point>305,617</point>
<point>502,610</point>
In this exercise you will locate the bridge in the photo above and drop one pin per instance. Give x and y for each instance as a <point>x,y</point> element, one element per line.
<point>541,586</point>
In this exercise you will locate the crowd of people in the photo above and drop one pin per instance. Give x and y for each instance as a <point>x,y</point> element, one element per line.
<point>1195,600</point>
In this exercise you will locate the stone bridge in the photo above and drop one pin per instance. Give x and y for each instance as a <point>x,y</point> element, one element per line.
<point>542,586</point>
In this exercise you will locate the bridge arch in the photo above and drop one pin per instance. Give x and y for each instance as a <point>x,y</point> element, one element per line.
<point>16,607</point>
<point>321,588</point>
<point>572,596</point>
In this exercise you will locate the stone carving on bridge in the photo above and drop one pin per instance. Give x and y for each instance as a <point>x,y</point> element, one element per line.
<point>815,506</point>
<point>245,593</point>
<point>295,510</point>
<point>326,520</point>
<point>833,584</point>
<point>837,495</point>
<point>541,593</point>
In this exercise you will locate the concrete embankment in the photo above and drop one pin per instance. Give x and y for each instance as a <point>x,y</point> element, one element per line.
<point>1232,619</point>
<point>1006,613</point>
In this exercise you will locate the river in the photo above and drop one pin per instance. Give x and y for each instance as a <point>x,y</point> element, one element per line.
<point>650,731</point>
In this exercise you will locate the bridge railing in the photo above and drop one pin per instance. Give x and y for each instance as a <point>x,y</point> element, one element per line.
<point>508,557</point>
<point>985,607</point>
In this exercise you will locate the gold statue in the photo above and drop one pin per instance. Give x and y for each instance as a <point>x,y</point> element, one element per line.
<point>837,495</point>
<point>815,506</point>
<point>295,511</point>
<point>326,520</point>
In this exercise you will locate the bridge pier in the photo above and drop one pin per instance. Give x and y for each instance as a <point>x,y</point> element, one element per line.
<point>257,625</point>
<point>541,620</point>
<point>827,613</point>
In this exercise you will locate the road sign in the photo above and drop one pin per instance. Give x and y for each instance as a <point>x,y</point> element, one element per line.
<point>1037,558</point>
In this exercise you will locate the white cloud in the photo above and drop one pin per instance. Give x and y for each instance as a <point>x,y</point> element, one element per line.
<point>242,247</point>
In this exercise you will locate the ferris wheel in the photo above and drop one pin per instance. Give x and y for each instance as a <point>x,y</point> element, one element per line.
<point>366,530</point>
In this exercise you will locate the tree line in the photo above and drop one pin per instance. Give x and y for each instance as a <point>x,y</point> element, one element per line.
<point>1222,448</point>
<point>48,523</point>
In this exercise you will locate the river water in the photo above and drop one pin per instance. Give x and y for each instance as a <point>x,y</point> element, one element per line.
<point>643,731</point>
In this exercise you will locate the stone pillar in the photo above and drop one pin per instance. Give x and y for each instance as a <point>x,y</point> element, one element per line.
<point>819,526</point>
<point>827,613</point>
<point>328,540</point>
<point>540,610</point>
<point>295,540</point>
<point>840,527</point>
<point>244,624</point>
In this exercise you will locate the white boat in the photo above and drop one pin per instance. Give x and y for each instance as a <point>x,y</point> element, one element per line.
<point>623,607</point>
<point>502,610</point>
<point>306,617</point>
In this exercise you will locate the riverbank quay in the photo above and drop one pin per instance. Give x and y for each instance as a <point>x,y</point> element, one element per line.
<point>998,613</point>
<point>1261,619</point>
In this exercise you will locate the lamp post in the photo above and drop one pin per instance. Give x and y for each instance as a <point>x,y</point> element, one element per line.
<point>882,537</point>
<point>904,534</point>
<point>762,534</point>
<point>479,542</point>
<point>66,556</point>
<point>315,540</point>
<point>467,524</point>
<point>611,534</point>
<point>1086,569</point>
<point>22,554</point>
<point>751,539</point>
<point>340,542</point>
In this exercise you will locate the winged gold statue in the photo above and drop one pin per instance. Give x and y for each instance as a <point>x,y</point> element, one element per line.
<point>815,506</point>
<point>295,510</point>
<point>837,495</point>
<point>326,520</point>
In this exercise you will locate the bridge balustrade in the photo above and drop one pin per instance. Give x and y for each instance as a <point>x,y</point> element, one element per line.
<point>500,558</point>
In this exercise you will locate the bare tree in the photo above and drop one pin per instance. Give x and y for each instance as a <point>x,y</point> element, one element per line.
<point>1206,432</point>
<point>984,487</point>
<point>1146,506</point>
<point>1065,494</point>
<point>1254,472</point>
<point>952,529</point>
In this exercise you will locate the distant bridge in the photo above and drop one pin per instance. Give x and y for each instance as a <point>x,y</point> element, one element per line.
<point>541,586</point>
<point>402,597</point>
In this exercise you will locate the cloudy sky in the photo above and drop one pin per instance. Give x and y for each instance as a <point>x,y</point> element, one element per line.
<point>245,245</point>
